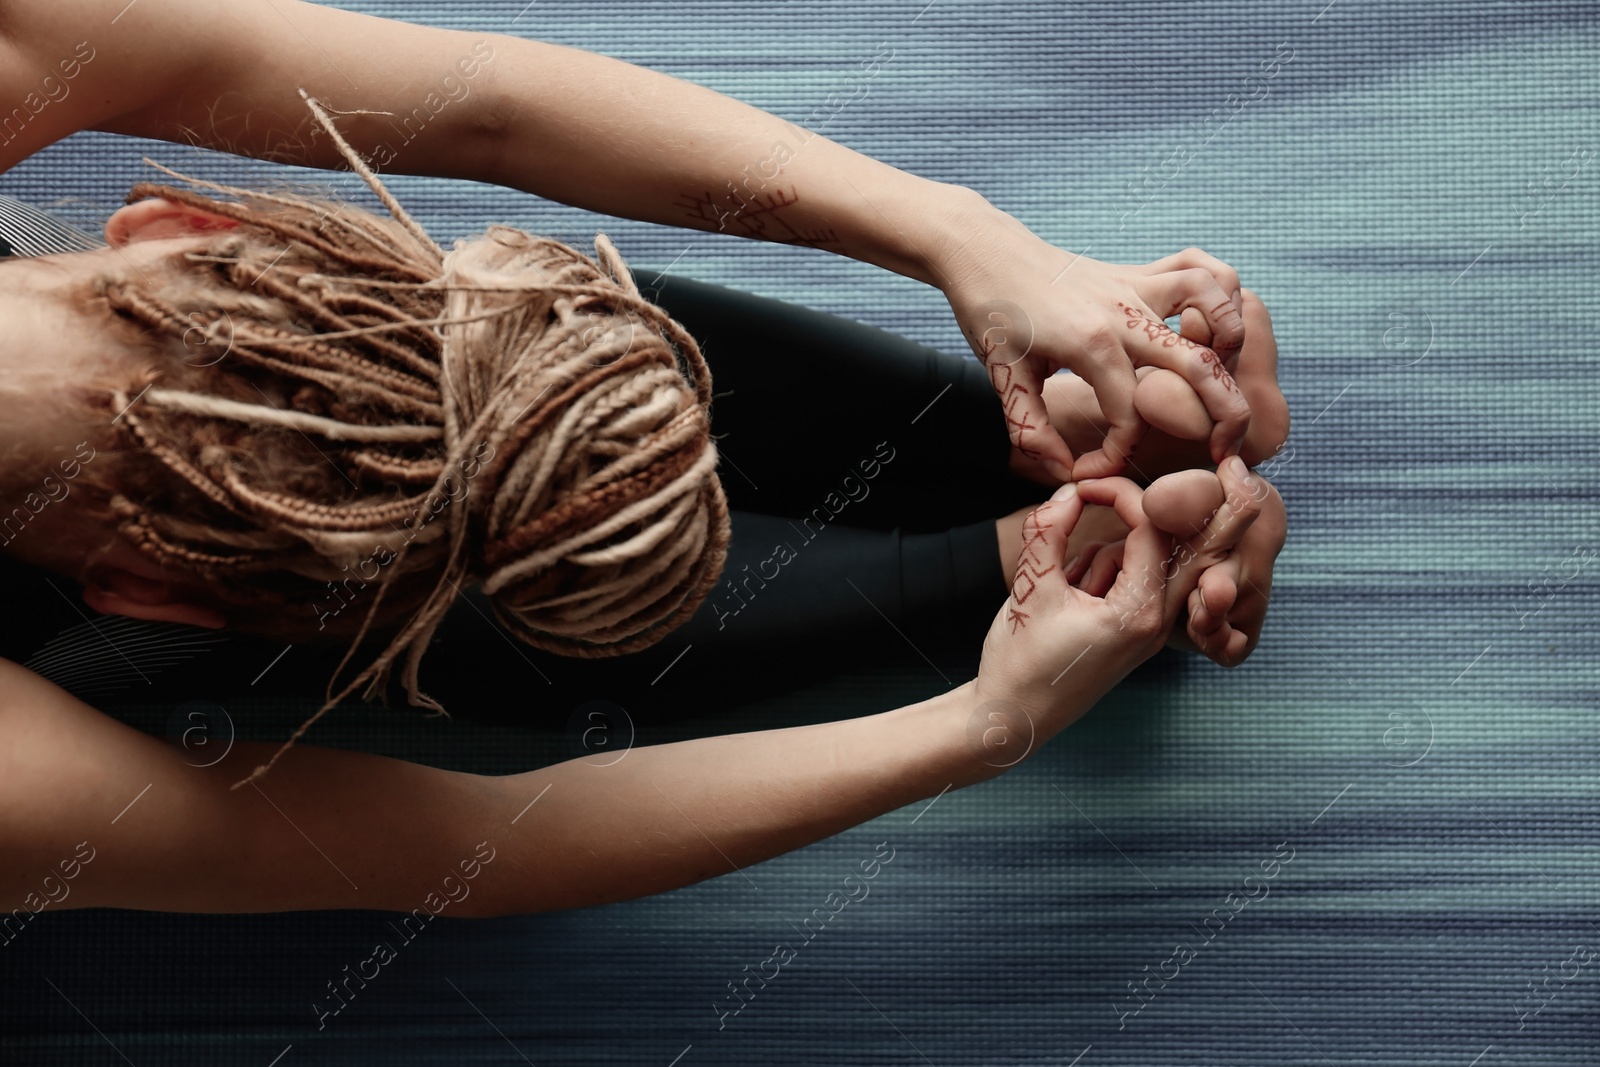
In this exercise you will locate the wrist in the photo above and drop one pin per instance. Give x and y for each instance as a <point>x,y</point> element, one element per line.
<point>969,238</point>
<point>985,735</point>
<point>919,229</point>
<point>992,728</point>
<point>958,217</point>
<point>931,230</point>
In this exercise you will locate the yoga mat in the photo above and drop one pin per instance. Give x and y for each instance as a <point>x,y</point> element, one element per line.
<point>1398,789</point>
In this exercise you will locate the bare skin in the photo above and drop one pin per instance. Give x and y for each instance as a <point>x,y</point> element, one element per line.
<point>1077,416</point>
<point>1224,622</point>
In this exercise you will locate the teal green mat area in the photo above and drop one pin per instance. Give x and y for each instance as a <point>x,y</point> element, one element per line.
<point>1419,729</point>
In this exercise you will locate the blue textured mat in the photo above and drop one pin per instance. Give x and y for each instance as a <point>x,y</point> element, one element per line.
<point>1418,730</point>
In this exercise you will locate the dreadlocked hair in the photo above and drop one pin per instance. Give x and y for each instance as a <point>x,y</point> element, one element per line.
<point>331,398</point>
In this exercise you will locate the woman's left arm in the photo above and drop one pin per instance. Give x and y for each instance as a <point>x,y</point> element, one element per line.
<point>606,135</point>
<point>566,124</point>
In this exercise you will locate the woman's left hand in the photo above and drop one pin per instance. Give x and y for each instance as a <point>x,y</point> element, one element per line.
<point>1028,309</point>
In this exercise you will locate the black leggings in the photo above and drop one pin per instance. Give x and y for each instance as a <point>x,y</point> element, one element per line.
<point>854,456</point>
<point>864,473</point>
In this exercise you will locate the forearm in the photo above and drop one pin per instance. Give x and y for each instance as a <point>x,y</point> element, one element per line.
<point>336,829</point>
<point>563,123</point>
<point>671,815</point>
<point>609,136</point>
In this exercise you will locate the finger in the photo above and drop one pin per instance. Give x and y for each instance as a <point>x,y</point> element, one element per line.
<point>1005,348</point>
<point>1107,565</point>
<point>1263,345</point>
<point>1240,507</point>
<point>1257,373</point>
<point>1243,494</point>
<point>1184,502</point>
<point>1046,531</point>
<point>1151,342</point>
<point>1119,494</point>
<point>1179,638</point>
<point>1109,370</point>
<point>1079,565</point>
<point>1170,293</point>
<point>1255,554</point>
<point>1200,620</point>
<point>1248,617</point>
<point>1219,587</point>
<point>1020,387</point>
<point>1227,646</point>
<point>1192,324</point>
<point>1190,258</point>
<point>1137,596</point>
<point>1165,401</point>
<point>1213,599</point>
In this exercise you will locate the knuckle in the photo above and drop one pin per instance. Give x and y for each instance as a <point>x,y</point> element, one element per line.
<point>1101,342</point>
<point>1146,631</point>
<point>1144,622</point>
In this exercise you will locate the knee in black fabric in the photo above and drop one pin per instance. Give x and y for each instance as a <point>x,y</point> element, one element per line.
<point>803,398</point>
<point>952,583</point>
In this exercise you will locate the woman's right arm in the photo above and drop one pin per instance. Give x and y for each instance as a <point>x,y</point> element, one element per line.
<point>330,828</point>
<point>96,813</point>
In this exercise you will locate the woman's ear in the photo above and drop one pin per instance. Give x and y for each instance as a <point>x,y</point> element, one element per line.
<point>159,217</point>
<point>118,592</point>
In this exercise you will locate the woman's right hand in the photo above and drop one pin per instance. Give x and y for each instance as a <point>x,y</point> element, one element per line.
<point>1054,649</point>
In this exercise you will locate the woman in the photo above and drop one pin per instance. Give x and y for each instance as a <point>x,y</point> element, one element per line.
<point>258,870</point>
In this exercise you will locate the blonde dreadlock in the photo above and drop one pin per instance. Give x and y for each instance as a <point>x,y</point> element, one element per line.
<point>510,412</point>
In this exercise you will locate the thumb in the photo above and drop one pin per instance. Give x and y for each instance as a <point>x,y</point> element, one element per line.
<point>1243,493</point>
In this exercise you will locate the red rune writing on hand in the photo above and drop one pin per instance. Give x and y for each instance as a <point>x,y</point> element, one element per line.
<point>1155,330</point>
<point>1030,568</point>
<point>1012,394</point>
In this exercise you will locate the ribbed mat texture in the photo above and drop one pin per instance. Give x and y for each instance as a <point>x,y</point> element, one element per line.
<point>1376,843</point>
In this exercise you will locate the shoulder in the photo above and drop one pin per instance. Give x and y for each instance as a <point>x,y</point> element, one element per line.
<point>49,53</point>
<point>110,58</point>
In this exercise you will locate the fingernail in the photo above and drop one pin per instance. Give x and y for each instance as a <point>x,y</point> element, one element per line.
<point>1238,300</point>
<point>1066,491</point>
<point>1058,471</point>
<point>1239,470</point>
